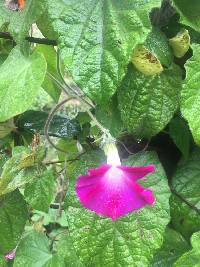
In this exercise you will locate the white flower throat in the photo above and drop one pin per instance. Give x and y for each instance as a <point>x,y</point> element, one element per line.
<point>112,154</point>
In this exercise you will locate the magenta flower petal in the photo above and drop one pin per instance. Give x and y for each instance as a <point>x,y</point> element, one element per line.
<point>112,191</point>
<point>10,255</point>
<point>138,172</point>
<point>100,170</point>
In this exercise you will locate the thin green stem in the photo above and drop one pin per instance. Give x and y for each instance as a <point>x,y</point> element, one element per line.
<point>58,83</point>
<point>71,87</point>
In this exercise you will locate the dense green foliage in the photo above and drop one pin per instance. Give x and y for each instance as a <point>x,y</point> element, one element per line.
<point>70,69</point>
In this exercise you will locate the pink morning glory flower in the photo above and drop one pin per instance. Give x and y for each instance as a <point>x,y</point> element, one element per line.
<point>10,255</point>
<point>112,190</point>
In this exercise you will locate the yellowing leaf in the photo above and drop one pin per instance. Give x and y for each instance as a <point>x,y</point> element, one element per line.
<point>180,43</point>
<point>145,61</point>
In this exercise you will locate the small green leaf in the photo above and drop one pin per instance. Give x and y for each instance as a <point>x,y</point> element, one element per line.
<point>147,103</point>
<point>96,39</point>
<point>191,258</point>
<point>61,126</point>
<point>40,193</point>
<point>20,81</point>
<point>131,240</point>
<point>13,216</point>
<point>34,251</point>
<point>17,171</point>
<point>190,96</point>
<point>186,183</point>
<point>180,134</point>
<point>173,247</point>
<point>158,45</point>
<point>190,12</point>
<point>51,58</point>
